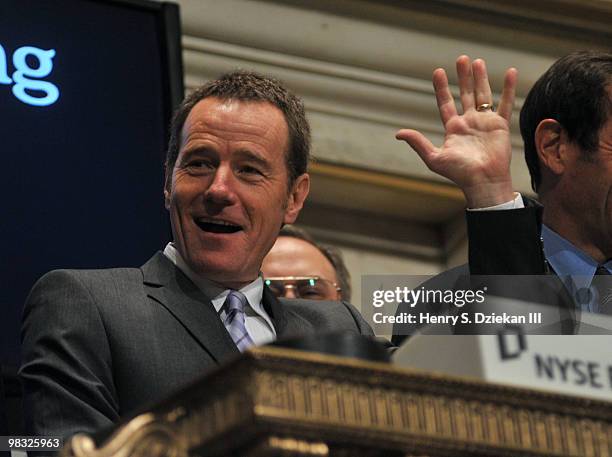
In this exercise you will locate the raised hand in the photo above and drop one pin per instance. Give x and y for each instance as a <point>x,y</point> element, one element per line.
<point>476,152</point>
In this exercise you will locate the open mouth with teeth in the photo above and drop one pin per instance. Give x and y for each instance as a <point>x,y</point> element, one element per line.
<point>217,226</point>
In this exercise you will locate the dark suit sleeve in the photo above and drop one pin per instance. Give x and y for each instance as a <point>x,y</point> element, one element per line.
<point>66,360</point>
<point>506,242</point>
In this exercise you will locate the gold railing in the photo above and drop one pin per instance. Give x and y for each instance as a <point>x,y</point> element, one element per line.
<point>280,402</point>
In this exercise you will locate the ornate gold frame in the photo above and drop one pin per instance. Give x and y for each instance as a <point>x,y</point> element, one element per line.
<point>274,401</point>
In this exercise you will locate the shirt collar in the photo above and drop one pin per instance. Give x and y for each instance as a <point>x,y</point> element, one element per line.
<point>566,259</point>
<point>252,291</point>
<point>573,266</point>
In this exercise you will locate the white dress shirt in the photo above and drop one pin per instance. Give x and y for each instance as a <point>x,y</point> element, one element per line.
<point>258,322</point>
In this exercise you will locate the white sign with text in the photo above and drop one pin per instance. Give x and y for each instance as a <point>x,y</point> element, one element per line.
<point>578,365</point>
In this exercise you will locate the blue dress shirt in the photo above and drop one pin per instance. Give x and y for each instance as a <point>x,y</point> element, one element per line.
<point>575,268</point>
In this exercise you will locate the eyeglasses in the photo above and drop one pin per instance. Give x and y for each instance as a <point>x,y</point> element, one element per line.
<point>309,287</point>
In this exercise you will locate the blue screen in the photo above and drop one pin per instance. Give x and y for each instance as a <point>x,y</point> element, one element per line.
<point>83,133</point>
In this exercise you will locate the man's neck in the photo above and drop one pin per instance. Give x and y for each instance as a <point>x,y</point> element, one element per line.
<point>200,277</point>
<point>233,285</point>
<point>566,226</point>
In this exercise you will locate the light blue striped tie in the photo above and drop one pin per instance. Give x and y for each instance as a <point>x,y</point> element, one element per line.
<point>235,320</point>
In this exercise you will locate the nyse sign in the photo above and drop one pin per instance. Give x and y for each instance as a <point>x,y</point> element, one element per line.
<point>30,64</point>
<point>579,364</point>
<point>574,364</point>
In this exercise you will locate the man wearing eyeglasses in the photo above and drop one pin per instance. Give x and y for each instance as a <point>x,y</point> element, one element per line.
<point>298,267</point>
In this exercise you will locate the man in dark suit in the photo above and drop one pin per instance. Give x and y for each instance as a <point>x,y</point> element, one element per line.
<point>566,124</point>
<point>99,344</point>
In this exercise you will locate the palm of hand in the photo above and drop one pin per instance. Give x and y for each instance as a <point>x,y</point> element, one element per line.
<point>476,147</point>
<point>476,152</point>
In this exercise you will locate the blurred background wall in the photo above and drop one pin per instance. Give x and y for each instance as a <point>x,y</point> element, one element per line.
<point>364,70</point>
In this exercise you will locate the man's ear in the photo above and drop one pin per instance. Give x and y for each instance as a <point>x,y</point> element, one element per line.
<point>296,199</point>
<point>550,141</point>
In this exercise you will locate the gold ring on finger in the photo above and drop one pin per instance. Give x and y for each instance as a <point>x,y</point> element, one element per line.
<point>485,107</point>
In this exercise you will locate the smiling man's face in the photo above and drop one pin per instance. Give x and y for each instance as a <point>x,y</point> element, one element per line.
<point>228,194</point>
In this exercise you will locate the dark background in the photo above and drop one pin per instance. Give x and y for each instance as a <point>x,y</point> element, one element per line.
<point>82,178</point>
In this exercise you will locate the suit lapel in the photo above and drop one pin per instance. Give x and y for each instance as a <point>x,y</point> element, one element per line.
<point>168,286</point>
<point>275,310</point>
<point>286,322</point>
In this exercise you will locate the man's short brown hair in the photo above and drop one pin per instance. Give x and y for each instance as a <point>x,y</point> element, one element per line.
<point>575,91</point>
<point>249,86</point>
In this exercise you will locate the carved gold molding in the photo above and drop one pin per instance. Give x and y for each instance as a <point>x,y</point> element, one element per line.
<point>143,436</point>
<point>276,401</point>
<point>273,446</point>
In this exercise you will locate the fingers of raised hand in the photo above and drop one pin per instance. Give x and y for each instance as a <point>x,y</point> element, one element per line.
<point>482,88</point>
<point>424,148</point>
<point>466,82</point>
<point>475,88</point>
<point>506,103</point>
<point>444,97</point>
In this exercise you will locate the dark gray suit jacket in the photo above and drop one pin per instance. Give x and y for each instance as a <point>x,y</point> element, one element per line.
<point>98,344</point>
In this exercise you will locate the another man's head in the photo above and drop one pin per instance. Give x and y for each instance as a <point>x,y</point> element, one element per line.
<point>297,256</point>
<point>566,124</point>
<point>235,173</point>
